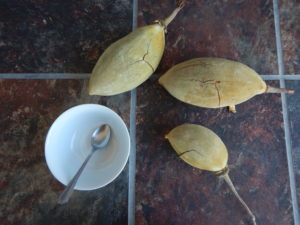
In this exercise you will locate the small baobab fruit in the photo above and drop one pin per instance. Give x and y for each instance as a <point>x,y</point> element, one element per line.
<point>130,61</point>
<point>214,83</point>
<point>203,149</point>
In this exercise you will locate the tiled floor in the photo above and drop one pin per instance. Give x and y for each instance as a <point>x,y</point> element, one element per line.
<point>67,37</point>
<point>238,30</point>
<point>256,158</point>
<point>294,122</point>
<point>28,190</point>
<point>290,33</point>
<point>54,36</point>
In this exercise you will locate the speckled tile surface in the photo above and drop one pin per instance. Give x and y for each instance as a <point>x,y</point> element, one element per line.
<point>59,36</point>
<point>53,36</point>
<point>294,122</point>
<point>28,191</point>
<point>175,193</point>
<point>239,30</point>
<point>290,32</point>
<point>69,36</point>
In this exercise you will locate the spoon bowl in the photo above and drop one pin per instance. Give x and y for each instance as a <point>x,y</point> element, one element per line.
<point>100,137</point>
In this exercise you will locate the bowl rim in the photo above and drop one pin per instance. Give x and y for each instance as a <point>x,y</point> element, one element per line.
<point>61,117</point>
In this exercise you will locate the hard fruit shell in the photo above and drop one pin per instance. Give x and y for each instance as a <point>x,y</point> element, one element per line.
<point>212,82</point>
<point>128,62</point>
<point>199,146</point>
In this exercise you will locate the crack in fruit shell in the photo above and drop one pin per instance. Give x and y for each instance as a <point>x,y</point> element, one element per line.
<point>233,82</point>
<point>123,65</point>
<point>199,147</point>
<point>128,62</point>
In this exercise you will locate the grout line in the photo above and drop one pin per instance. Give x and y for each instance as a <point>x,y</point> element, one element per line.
<point>132,156</point>
<point>44,75</point>
<point>280,77</point>
<point>278,38</point>
<point>286,116</point>
<point>134,14</point>
<point>87,76</point>
<point>132,160</point>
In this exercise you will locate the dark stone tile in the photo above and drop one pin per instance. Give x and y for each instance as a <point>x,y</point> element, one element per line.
<point>239,30</point>
<point>59,36</point>
<point>28,191</point>
<point>290,34</point>
<point>169,191</point>
<point>294,122</point>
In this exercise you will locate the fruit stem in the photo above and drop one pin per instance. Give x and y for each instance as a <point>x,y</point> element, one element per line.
<point>169,19</point>
<point>231,185</point>
<point>271,89</point>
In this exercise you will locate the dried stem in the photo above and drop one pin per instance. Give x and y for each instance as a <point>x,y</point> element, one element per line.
<point>232,108</point>
<point>169,19</point>
<point>271,89</point>
<point>230,184</point>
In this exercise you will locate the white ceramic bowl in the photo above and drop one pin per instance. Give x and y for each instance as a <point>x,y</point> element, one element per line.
<point>68,143</point>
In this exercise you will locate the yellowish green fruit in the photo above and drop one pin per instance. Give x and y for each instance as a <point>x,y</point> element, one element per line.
<point>130,61</point>
<point>200,147</point>
<point>214,83</point>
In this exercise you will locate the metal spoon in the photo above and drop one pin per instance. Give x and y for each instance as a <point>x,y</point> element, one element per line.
<point>100,139</point>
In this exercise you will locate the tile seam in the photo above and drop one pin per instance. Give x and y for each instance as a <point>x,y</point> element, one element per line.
<point>42,76</point>
<point>285,114</point>
<point>281,77</point>
<point>132,157</point>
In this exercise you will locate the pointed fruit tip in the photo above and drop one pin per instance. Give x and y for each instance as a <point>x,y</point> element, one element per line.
<point>159,81</point>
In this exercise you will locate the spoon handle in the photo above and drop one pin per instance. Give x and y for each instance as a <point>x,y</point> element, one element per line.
<point>66,194</point>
